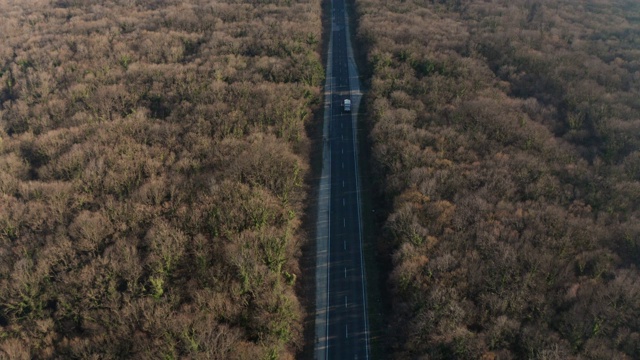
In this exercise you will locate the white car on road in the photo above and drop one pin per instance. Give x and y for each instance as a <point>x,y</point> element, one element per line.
<point>346,105</point>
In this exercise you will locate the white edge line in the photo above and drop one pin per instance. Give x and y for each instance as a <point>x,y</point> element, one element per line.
<point>326,352</point>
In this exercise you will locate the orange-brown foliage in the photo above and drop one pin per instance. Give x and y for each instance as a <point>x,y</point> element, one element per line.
<point>506,133</point>
<point>152,157</point>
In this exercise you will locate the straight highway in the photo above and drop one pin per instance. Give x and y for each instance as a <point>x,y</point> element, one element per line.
<point>341,312</point>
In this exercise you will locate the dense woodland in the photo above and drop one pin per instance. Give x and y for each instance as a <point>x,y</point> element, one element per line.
<point>152,164</point>
<point>506,142</point>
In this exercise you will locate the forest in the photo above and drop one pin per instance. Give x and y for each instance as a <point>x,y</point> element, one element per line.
<point>506,148</point>
<point>153,159</point>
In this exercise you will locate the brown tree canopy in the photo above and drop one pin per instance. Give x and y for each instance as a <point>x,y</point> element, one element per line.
<point>505,140</point>
<point>152,159</point>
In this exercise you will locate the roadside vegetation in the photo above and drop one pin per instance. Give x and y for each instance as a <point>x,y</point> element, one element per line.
<point>506,143</point>
<point>152,165</point>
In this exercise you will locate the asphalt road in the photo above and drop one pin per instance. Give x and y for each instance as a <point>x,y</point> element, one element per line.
<point>347,331</point>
